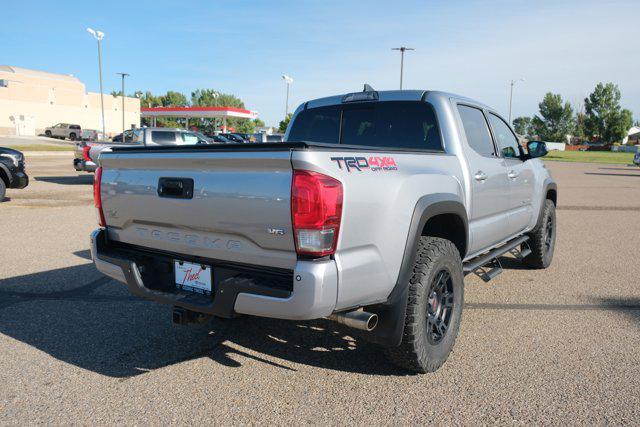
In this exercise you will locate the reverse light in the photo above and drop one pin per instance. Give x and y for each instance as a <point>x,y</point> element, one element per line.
<point>316,212</point>
<point>97,198</point>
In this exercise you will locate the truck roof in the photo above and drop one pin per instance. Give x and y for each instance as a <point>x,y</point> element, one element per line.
<point>396,95</point>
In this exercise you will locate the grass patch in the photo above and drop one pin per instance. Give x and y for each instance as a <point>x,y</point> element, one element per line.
<point>42,147</point>
<point>609,157</point>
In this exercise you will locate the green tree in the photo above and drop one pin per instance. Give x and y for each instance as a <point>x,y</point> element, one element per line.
<point>580,129</point>
<point>522,125</point>
<point>555,120</point>
<point>148,100</point>
<point>284,123</point>
<point>605,119</point>
<point>173,99</point>
<point>213,98</point>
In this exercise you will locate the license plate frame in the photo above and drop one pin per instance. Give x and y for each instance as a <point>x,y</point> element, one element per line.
<point>193,277</point>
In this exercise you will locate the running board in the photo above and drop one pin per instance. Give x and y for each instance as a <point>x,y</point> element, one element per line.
<point>491,257</point>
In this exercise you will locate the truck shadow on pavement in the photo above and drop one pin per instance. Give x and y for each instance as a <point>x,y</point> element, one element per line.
<point>82,318</point>
<point>67,180</point>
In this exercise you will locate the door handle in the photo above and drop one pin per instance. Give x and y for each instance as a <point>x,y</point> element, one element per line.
<point>480,176</point>
<point>513,174</point>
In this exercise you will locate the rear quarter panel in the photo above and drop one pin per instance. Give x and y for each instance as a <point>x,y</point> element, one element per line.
<point>377,210</point>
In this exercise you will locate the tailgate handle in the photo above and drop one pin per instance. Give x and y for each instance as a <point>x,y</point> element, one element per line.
<point>177,188</point>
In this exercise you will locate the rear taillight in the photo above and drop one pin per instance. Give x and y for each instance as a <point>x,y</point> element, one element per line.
<point>316,211</point>
<point>97,198</point>
<point>85,153</point>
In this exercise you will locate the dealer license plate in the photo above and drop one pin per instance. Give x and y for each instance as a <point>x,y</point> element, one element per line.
<point>193,277</point>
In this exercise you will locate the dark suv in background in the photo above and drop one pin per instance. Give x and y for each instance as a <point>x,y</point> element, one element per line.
<point>12,173</point>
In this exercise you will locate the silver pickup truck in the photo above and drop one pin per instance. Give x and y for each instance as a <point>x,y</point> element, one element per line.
<point>85,152</point>
<point>370,214</point>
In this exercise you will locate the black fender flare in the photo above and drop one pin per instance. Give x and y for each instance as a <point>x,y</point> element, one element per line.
<point>547,185</point>
<point>392,313</point>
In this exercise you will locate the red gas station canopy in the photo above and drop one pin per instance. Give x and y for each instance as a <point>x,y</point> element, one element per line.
<point>198,112</point>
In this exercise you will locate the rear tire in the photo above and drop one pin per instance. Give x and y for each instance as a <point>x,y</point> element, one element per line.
<point>3,190</point>
<point>72,136</point>
<point>542,239</point>
<point>434,307</point>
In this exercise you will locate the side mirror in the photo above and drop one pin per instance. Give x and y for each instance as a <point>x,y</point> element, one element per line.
<point>536,149</point>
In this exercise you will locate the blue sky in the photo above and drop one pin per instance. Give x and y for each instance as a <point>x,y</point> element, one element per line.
<point>329,47</point>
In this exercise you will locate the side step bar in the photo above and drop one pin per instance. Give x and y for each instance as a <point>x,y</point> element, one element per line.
<point>491,258</point>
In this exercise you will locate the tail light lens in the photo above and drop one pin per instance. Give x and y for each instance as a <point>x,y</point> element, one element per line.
<point>85,153</point>
<point>316,211</point>
<point>97,199</point>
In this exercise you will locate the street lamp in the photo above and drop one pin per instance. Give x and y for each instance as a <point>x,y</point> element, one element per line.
<point>123,76</point>
<point>288,80</point>
<point>513,82</point>
<point>402,49</point>
<point>99,35</point>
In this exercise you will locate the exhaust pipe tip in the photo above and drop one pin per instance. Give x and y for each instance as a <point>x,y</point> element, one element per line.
<point>373,322</point>
<point>357,319</point>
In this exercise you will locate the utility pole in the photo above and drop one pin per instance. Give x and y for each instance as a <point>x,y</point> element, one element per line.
<point>123,76</point>
<point>288,80</point>
<point>99,35</point>
<point>402,49</point>
<point>513,82</point>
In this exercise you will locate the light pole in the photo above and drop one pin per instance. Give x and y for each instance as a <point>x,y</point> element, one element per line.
<point>123,76</point>
<point>288,80</point>
<point>99,35</point>
<point>513,82</point>
<point>402,49</point>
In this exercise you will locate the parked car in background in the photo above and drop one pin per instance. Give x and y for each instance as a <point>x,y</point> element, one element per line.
<point>12,170</point>
<point>219,139</point>
<point>234,137</point>
<point>86,153</point>
<point>249,137</point>
<point>90,135</point>
<point>275,137</point>
<point>64,131</point>
<point>636,159</point>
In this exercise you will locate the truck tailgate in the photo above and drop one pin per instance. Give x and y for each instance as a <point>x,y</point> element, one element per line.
<point>239,209</point>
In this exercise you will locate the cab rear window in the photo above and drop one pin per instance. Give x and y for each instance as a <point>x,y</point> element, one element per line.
<point>392,124</point>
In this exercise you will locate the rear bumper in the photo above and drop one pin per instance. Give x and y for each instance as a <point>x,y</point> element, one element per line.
<point>307,292</point>
<point>83,165</point>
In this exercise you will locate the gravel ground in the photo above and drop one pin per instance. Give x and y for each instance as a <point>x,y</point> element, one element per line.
<point>556,346</point>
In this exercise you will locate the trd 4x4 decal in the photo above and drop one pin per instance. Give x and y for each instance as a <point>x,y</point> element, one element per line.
<point>374,164</point>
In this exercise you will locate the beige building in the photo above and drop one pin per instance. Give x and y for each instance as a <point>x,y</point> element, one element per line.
<point>32,100</point>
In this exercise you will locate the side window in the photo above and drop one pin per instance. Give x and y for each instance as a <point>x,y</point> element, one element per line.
<point>162,137</point>
<point>506,140</point>
<point>477,131</point>
<point>189,138</point>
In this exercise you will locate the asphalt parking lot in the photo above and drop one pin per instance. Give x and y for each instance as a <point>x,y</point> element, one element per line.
<point>555,346</point>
